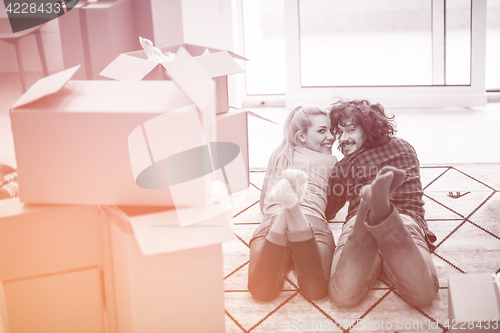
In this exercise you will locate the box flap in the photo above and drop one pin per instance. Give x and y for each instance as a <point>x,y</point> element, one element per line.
<point>161,232</point>
<point>46,86</point>
<point>13,207</point>
<point>237,56</point>
<point>218,64</point>
<point>128,68</point>
<point>201,49</point>
<point>134,66</point>
<point>198,50</point>
<point>138,54</point>
<point>198,86</point>
<point>253,114</point>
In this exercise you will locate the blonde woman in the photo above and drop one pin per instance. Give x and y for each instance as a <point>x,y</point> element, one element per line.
<point>294,233</point>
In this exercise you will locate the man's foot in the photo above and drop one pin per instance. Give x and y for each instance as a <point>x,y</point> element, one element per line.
<point>298,180</point>
<point>377,194</point>
<point>284,193</point>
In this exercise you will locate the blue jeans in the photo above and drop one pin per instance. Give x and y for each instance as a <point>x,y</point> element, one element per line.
<point>397,245</point>
<point>273,255</point>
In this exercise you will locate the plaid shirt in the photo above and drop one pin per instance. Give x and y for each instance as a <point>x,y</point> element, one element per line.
<point>359,169</point>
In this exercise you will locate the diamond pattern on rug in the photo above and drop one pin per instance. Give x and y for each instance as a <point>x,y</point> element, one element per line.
<point>443,228</point>
<point>404,317</point>
<point>430,174</point>
<point>347,318</point>
<point>462,209</point>
<point>467,245</point>
<point>439,211</point>
<point>487,216</point>
<point>298,314</point>
<point>455,181</point>
<point>463,206</point>
<point>249,313</point>
<point>251,215</point>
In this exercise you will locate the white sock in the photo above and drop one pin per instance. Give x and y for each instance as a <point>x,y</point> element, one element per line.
<point>284,193</point>
<point>298,180</point>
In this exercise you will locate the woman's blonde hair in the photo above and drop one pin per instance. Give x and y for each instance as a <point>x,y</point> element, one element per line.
<point>298,121</point>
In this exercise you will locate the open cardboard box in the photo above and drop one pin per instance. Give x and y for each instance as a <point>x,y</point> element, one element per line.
<point>473,303</point>
<point>72,138</point>
<point>137,264</point>
<point>164,278</point>
<point>232,126</point>
<point>217,63</point>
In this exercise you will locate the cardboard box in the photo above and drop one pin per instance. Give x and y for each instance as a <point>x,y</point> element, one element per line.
<point>71,149</point>
<point>165,278</point>
<point>50,268</point>
<point>71,139</point>
<point>134,66</point>
<point>474,303</point>
<point>71,302</point>
<point>108,142</point>
<point>38,240</point>
<point>232,126</point>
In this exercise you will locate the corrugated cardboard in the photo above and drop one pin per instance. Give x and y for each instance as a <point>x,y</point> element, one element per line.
<point>473,303</point>
<point>57,303</point>
<point>72,139</point>
<point>50,267</point>
<point>165,275</point>
<point>232,126</point>
<point>71,146</point>
<point>217,64</point>
<point>44,239</point>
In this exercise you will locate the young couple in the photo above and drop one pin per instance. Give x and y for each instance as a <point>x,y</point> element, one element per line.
<point>304,187</point>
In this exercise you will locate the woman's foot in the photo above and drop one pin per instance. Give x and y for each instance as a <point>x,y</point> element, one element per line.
<point>290,189</point>
<point>284,193</point>
<point>298,180</point>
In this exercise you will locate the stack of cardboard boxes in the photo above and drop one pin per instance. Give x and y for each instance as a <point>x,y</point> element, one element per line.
<point>117,229</point>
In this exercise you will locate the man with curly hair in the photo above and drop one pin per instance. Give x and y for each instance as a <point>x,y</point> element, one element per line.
<point>385,229</point>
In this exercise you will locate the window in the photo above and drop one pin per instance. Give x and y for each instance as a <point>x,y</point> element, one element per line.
<point>493,46</point>
<point>419,53</point>
<point>264,45</point>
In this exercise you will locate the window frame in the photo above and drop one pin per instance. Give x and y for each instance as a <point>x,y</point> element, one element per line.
<point>431,96</point>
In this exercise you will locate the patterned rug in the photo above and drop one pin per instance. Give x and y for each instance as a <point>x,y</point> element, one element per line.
<point>463,210</point>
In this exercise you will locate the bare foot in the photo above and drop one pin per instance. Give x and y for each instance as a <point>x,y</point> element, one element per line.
<point>377,194</point>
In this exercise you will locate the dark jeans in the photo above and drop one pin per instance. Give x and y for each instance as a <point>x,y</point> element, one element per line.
<point>271,258</point>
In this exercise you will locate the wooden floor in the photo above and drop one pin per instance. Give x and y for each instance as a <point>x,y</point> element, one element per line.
<point>468,242</point>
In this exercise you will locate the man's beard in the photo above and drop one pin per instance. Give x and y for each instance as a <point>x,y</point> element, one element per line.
<point>346,143</point>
